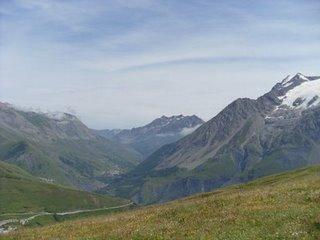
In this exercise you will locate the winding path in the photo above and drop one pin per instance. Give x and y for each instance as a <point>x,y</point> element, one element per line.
<point>26,220</point>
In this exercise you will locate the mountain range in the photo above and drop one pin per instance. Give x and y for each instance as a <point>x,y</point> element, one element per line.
<point>59,148</point>
<point>248,139</point>
<point>171,157</point>
<point>146,139</point>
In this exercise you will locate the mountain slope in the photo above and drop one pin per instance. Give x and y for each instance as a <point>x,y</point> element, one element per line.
<point>60,148</point>
<point>21,192</point>
<point>284,206</point>
<point>248,139</point>
<point>146,139</point>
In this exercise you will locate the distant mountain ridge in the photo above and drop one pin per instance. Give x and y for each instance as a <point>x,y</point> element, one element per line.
<point>60,148</point>
<point>248,139</point>
<point>161,131</point>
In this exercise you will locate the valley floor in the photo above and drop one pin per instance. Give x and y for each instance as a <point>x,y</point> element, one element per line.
<point>285,206</point>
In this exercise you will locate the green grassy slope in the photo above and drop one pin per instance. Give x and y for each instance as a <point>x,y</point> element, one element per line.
<point>21,192</point>
<point>285,206</point>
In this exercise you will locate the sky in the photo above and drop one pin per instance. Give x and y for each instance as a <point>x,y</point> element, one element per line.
<point>123,63</point>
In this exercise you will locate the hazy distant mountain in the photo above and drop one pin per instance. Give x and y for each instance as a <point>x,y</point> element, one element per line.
<point>59,147</point>
<point>145,140</point>
<point>248,139</point>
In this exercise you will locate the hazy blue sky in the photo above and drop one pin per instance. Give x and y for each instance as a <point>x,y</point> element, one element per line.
<point>122,63</point>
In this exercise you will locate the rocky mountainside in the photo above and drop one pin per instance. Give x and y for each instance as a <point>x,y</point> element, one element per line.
<point>145,140</point>
<point>60,148</point>
<point>248,139</point>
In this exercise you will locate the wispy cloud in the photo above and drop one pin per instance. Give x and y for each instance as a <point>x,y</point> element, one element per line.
<point>156,57</point>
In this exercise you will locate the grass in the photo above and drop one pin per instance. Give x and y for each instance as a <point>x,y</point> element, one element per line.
<point>22,193</point>
<point>285,206</point>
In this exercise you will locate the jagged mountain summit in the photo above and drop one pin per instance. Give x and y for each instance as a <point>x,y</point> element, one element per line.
<point>59,147</point>
<point>248,139</point>
<point>146,139</point>
<point>298,92</point>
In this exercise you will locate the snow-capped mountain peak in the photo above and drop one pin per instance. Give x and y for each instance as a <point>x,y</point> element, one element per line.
<point>296,79</point>
<point>301,92</point>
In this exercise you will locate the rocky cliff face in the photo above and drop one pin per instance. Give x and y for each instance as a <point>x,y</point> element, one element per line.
<point>248,139</point>
<point>59,147</point>
<point>146,139</point>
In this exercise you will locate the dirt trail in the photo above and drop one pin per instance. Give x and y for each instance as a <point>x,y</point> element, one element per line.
<point>92,210</point>
<point>24,221</point>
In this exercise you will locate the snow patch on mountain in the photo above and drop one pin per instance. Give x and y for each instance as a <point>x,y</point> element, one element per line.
<point>285,82</point>
<point>305,95</point>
